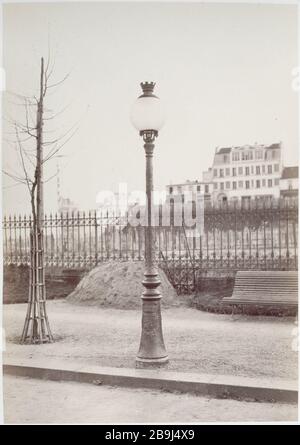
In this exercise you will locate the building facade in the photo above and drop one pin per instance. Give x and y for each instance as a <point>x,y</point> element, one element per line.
<point>289,182</point>
<point>189,189</point>
<point>242,173</point>
<point>65,205</point>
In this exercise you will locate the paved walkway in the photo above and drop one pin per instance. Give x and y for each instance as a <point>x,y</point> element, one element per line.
<point>36,401</point>
<point>196,341</point>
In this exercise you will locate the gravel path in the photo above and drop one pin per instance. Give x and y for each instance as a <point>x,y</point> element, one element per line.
<point>196,341</point>
<point>37,401</point>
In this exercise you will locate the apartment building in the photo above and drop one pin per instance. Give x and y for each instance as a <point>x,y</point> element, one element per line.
<point>241,173</point>
<point>190,188</point>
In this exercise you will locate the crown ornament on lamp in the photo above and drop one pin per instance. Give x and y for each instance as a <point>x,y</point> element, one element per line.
<point>148,88</point>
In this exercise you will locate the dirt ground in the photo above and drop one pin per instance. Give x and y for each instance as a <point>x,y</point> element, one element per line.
<point>118,285</point>
<point>38,401</point>
<point>196,341</point>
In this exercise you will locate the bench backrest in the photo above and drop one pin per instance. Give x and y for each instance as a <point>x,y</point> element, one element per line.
<point>266,287</point>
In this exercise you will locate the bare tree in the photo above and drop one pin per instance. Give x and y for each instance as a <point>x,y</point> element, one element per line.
<point>33,152</point>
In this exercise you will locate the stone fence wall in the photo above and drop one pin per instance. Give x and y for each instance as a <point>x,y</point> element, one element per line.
<point>59,282</point>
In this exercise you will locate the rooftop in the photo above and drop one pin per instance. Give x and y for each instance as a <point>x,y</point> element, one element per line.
<point>188,182</point>
<point>224,150</point>
<point>273,146</point>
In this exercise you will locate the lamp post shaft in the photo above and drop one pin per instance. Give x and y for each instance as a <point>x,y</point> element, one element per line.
<point>152,350</point>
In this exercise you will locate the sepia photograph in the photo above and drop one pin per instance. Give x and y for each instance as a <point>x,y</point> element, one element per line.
<point>149,165</point>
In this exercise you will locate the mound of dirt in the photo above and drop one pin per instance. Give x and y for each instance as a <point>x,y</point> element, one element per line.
<point>118,285</point>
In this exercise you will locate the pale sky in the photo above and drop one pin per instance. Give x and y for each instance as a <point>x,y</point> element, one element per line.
<point>224,73</point>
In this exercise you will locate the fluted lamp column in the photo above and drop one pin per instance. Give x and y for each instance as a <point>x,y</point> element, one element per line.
<point>147,117</point>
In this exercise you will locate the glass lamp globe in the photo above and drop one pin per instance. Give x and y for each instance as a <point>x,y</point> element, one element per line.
<point>147,112</point>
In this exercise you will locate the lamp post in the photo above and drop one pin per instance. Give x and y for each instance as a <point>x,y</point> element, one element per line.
<point>147,117</point>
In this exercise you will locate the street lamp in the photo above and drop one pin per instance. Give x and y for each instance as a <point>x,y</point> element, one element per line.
<point>147,116</point>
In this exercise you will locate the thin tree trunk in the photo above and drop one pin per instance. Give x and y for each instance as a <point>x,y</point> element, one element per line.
<point>36,327</point>
<point>39,151</point>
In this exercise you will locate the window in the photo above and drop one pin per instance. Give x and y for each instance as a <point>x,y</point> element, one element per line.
<point>225,159</point>
<point>276,181</point>
<point>276,167</point>
<point>263,183</point>
<point>193,209</point>
<point>247,155</point>
<point>198,188</point>
<point>221,173</point>
<point>252,169</point>
<point>240,184</point>
<point>263,168</point>
<point>170,190</point>
<point>215,172</point>
<point>269,169</point>
<point>222,185</point>
<point>206,188</point>
<point>258,170</point>
<point>247,171</point>
<point>227,171</point>
<point>234,185</point>
<point>215,185</point>
<point>235,156</point>
<point>228,184</point>
<point>258,184</point>
<point>247,183</point>
<point>269,182</point>
<point>234,171</point>
<point>259,154</point>
<point>268,154</point>
<point>240,170</point>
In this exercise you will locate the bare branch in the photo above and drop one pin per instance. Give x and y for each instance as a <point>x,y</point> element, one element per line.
<point>48,61</point>
<point>59,82</point>
<point>48,73</point>
<point>51,154</point>
<point>23,163</point>
<point>15,178</point>
<point>49,179</point>
<point>28,98</point>
<point>60,138</point>
<point>12,185</point>
<point>21,104</point>
<point>56,114</point>
<point>14,141</point>
<point>22,127</point>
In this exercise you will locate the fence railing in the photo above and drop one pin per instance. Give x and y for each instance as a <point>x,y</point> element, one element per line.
<point>257,236</point>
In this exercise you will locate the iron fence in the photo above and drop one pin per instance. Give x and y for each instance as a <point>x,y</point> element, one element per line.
<point>235,237</point>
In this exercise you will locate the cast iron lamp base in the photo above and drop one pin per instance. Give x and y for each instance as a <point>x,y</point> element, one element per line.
<point>152,351</point>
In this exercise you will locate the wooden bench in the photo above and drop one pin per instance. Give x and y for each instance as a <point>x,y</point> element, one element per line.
<point>265,288</point>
